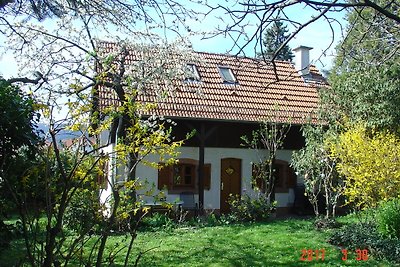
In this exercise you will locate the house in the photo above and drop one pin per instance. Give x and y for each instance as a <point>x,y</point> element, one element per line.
<point>224,98</point>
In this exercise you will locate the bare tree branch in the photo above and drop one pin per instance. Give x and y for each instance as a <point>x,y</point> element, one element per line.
<point>237,18</point>
<point>24,80</point>
<point>365,3</point>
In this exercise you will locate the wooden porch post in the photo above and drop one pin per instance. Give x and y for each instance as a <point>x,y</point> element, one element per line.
<point>202,138</point>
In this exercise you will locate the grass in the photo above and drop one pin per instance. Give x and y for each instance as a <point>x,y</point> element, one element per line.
<point>276,243</point>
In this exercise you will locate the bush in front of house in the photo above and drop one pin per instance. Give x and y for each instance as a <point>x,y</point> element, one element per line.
<point>388,218</point>
<point>366,236</point>
<point>246,208</point>
<point>322,223</point>
<point>157,221</point>
<point>355,236</point>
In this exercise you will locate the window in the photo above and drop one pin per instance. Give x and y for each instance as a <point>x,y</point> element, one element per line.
<point>227,75</point>
<point>285,177</point>
<point>279,175</point>
<point>191,73</point>
<point>184,175</point>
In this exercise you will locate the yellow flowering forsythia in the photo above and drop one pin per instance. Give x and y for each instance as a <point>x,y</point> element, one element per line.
<point>370,162</point>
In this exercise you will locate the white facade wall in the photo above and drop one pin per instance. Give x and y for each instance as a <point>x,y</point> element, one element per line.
<point>106,193</point>
<point>214,156</point>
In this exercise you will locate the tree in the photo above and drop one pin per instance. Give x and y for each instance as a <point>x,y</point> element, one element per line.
<point>18,145</point>
<point>70,63</point>
<point>17,122</point>
<point>274,37</point>
<point>364,89</point>
<point>314,164</point>
<point>235,22</point>
<point>40,9</point>
<point>371,39</point>
<point>19,138</point>
<point>70,56</point>
<point>370,94</point>
<point>369,162</point>
<point>365,79</point>
<point>268,137</point>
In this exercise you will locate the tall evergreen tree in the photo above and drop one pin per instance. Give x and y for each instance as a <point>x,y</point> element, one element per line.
<point>273,38</point>
<point>365,84</point>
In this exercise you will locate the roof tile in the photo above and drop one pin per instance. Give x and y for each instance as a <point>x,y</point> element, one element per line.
<point>257,95</point>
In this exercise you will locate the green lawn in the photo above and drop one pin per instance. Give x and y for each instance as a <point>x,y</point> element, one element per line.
<point>277,243</point>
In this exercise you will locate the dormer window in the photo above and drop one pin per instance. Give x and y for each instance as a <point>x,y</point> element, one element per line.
<point>191,73</point>
<point>227,75</point>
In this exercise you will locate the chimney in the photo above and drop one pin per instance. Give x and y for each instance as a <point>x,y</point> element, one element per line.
<point>302,59</point>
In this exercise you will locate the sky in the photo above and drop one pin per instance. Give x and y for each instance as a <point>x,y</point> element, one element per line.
<point>316,35</point>
<point>8,65</point>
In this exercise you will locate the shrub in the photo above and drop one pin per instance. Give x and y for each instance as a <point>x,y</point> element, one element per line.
<point>369,161</point>
<point>321,223</point>
<point>208,220</point>
<point>388,218</point>
<point>83,211</point>
<point>355,236</point>
<point>249,209</point>
<point>366,236</point>
<point>156,221</point>
<point>6,234</point>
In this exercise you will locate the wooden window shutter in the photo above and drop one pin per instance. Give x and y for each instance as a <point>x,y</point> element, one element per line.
<point>291,177</point>
<point>102,176</point>
<point>207,176</point>
<point>164,176</point>
<point>280,170</point>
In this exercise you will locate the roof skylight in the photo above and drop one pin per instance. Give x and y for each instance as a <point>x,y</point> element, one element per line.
<point>192,73</point>
<point>227,75</point>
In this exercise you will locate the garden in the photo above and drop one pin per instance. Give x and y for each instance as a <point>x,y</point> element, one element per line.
<point>220,242</point>
<point>51,209</point>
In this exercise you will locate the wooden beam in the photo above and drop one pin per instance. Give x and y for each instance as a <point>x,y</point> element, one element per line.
<point>202,134</point>
<point>201,168</point>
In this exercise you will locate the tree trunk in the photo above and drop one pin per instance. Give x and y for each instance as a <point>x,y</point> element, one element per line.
<point>327,208</point>
<point>52,232</point>
<point>272,178</point>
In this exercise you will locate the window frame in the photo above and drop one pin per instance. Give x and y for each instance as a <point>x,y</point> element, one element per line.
<point>232,77</point>
<point>165,179</point>
<point>179,170</point>
<point>194,73</point>
<point>281,173</point>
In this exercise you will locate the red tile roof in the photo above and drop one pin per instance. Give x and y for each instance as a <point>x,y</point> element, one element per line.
<point>257,95</point>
